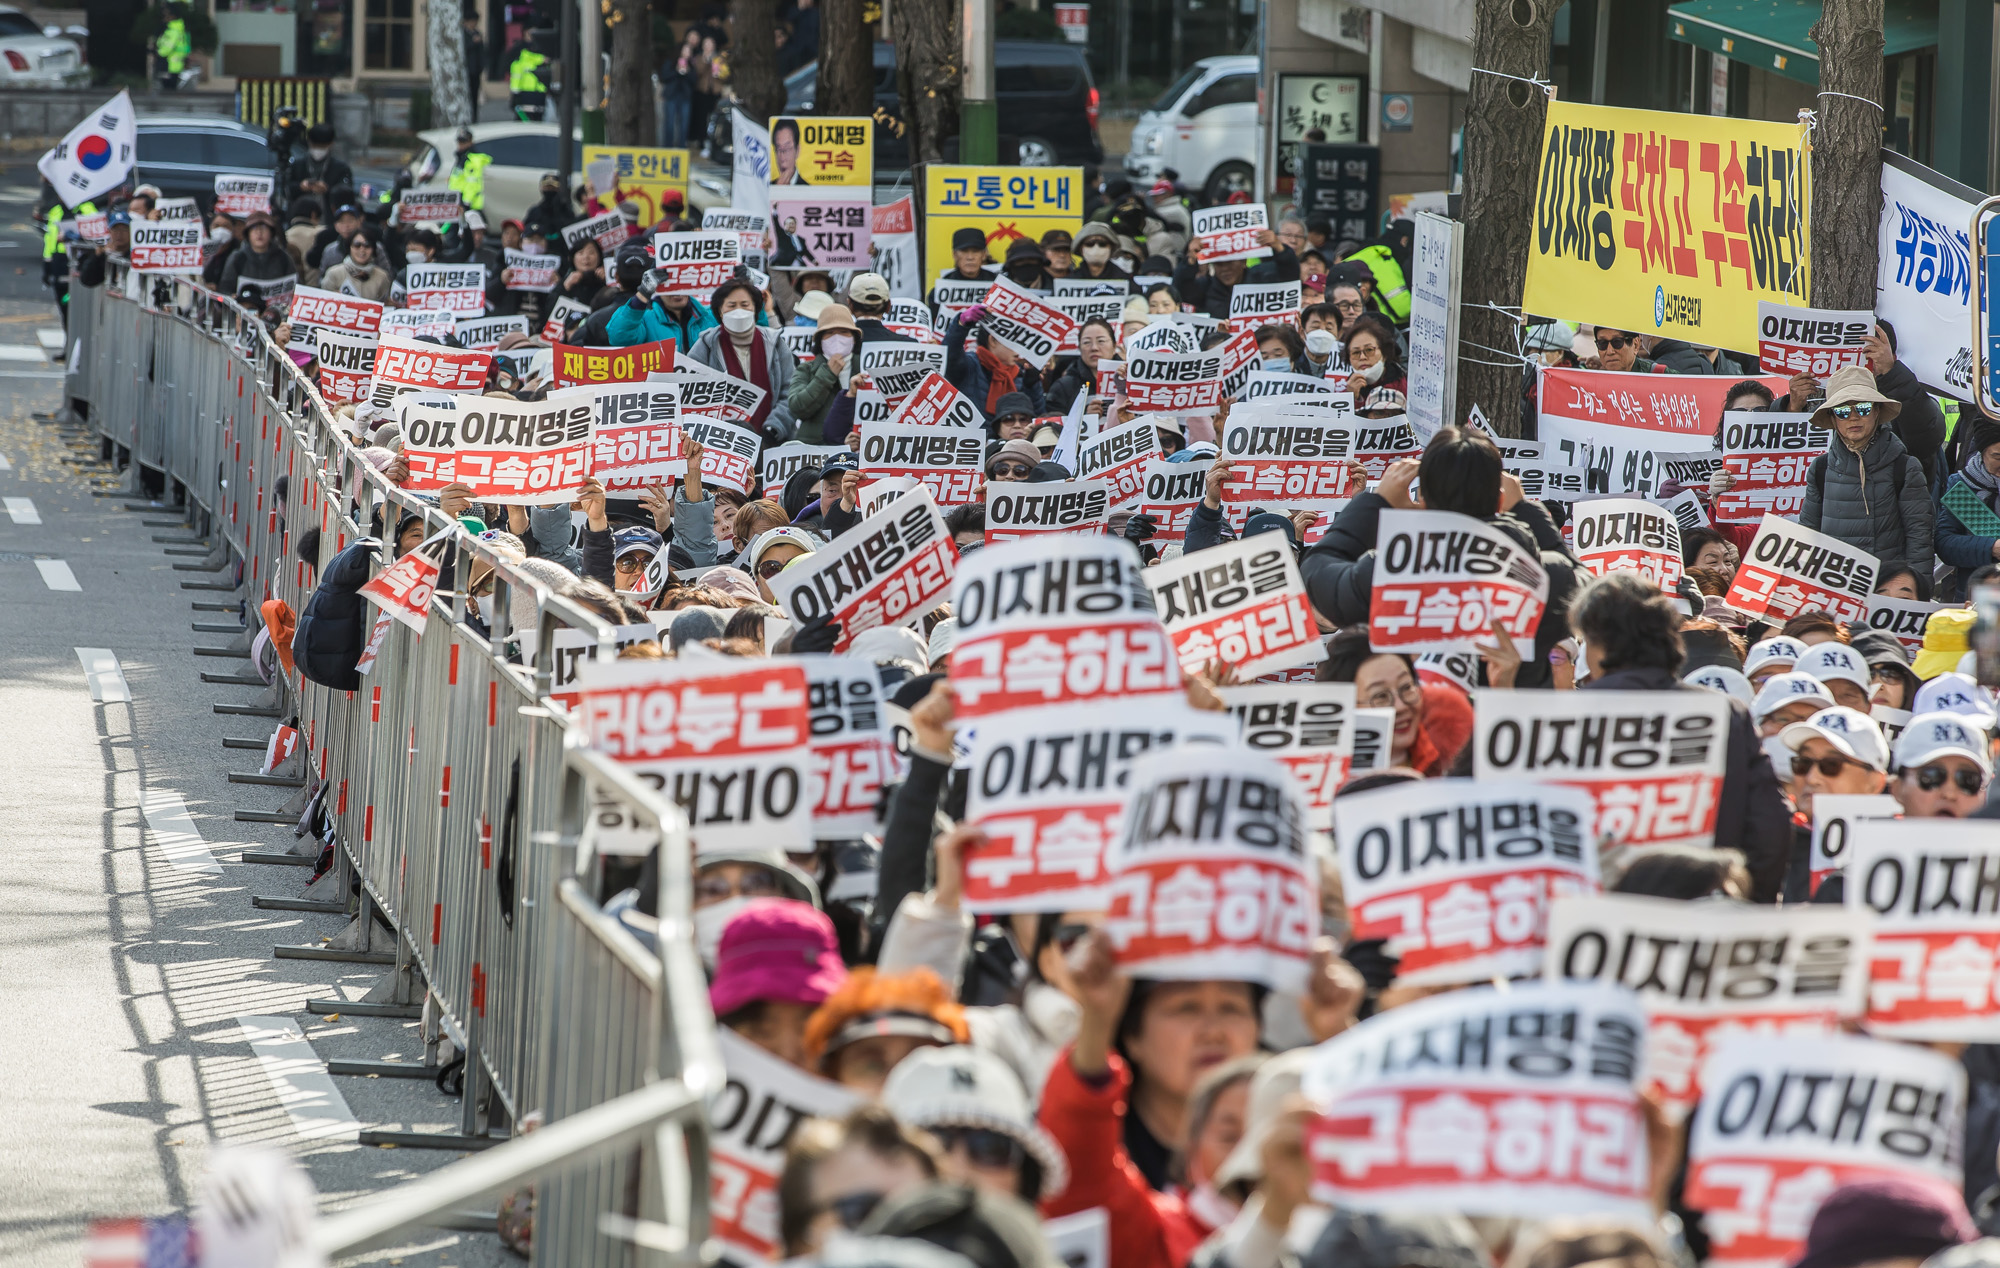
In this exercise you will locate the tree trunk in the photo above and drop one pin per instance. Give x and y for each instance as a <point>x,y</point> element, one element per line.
<point>753,58</point>
<point>1504,121</point>
<point>846,61</point>
<point>1847,154</point>
<point>629,117</point>
<point>444,49</point>
<point>927,73</point>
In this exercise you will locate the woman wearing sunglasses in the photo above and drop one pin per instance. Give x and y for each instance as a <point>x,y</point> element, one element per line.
<point>1867,490</point>
<point>774,549</point>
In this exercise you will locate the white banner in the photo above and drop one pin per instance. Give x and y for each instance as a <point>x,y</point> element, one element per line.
<point>1934,887</point>
<point>1434,290</point>
<point>1923,273</point>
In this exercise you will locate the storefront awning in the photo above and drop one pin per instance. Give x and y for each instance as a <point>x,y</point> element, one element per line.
<point>1773,34</point>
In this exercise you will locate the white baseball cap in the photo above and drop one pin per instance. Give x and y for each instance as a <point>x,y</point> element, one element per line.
<point>1933,735</point>
<point>1849,730</point>
<point>1956,693</point>
<point>1780,690</point>
<point>1831,662</point>
<point>964,1086</point>
<point>1722,678</point>
<point>1787,650</point>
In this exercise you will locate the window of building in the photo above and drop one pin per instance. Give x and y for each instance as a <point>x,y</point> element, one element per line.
<point>390,35</point>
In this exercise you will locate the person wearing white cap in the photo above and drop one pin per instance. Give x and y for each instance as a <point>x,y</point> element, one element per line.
<point>1722,678</point>
<point>1838,751</point>
<point>973,1105</point>
<point>1775,655</point>
<point>1942,767</point>
<point>1844,672</point>
<point>1960,694</point>
<point>1788,698</point>
<point>773,549</point>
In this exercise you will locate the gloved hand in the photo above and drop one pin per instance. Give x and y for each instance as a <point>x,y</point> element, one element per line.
<point>973,315</point>
<point>816,635</point>
<point>1141,528</point>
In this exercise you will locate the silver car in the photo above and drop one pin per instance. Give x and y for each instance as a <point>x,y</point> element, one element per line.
<point>1204,128</point>
<point>29,58</point>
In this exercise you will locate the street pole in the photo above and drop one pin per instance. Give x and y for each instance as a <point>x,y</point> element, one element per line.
<point>566,104</point>
<point>590,62</point>
<point>978,110</point>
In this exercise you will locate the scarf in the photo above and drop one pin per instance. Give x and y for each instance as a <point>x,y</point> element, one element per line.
<point>1982,480</point>
<point>759,375</point>
<point>1000,379</point>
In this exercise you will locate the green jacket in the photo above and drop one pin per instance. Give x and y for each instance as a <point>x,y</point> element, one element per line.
<point>523,75</point>
<point>812,393</point>
<point>468,177</point>
<point>174,46</point>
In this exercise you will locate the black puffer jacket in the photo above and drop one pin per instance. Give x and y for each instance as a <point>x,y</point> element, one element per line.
<point>334,627</point>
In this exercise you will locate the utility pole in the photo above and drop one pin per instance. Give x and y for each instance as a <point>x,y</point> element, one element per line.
<point>978,108</point>
<point>566,102</point>
<point>1847,154</point>
<point>1504,122</point>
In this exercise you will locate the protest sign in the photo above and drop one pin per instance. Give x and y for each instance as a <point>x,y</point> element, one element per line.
<point>1288,461</point>
<point>457,288</point>
<point>802,342</point>
<point>1170,493</point>
<point>1305,726</point>
<point>1687,511</point>
<point>898,369</point>
<point>1673,225</point>
<point>403,589</point>
<point>954,295</point>
<point>1629,535</point>
<point>1241,603</point>
<point>695,264</point>
<point>850,744</point>
<point>781,462</point>
<point>485,333</point>
<point>525,272</point>
<point>1379,442</point>
<point>404,365</point>
<point>1032,327</point>
<point>608,230</point>
<point>418,323</point>
<point>946,460</point>
<point>1174,382</point>
<point>728,452</point>
<point>269,291</point>
<point>892,234</point>
<point>1653,760</point>
<point>1934,886</point>
<point>1710,973</point>
<point>1048,787</point>
<point>1767,455</point>
<point>812,150</point>
<point>726,740</point>
<point>328,310</point>
<point>636,440</point>
<point>1784,1124</point>
<point>1442,580</point>
<point>890,569</point>
<point>1815,341</point>
<point>561,314</point>
<point>1210,874</point>
<point>1903,618</point>
<point>1547,482</point>
<point>751,1121</point>
<point>1297,390</point>
<point>1239,361</point>
<point>1119,457</point>
<point>1016,509</point>
<point>438,206</point>
<point>160,246</point>
<point>750,163</point>
<point>711,392</point>
<point>1432,387</point>
<point>1833,816</point>
<point>911,317</point>
<point>1923,272</point>
<point>570,650</point>
<point>94,228</point>
<point>1081,308</point>
<point>1161,334</point>
<point>517,453</point>
<point>1520,1102</point>
<point>346,363</point>
<point>631,364</point>
<point>1374,734</point>
<point>641,175</point>
<point>1058,621</point>
<point>820,228</point>
<point>1003,203</point>
<point>179,209</point>
<point>750,227</point>
<point>1458,874</point>
<point>1614,423</point>
<point>1452,669</point>
<point>1790,569</point>
<point>1231,232</point>
<point>241,196</point>
<point>1254,305</point>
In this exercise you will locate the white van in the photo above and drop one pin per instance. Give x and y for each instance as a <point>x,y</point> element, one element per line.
<point>1205,128</point>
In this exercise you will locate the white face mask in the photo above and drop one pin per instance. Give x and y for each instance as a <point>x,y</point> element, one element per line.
<point>837,345</point>
<point>1373,374</point>
<point>708,925</point>
<point>1320,343</point>
<point>738,320</point>
<point>1096,253</point>
<point>317,153</point>
<point>415,257</point>
<point>1781,757</point>
<point>1128,264</point>
<point>218,235</point>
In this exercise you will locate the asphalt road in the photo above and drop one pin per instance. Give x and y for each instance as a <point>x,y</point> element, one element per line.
<point>129,962</point>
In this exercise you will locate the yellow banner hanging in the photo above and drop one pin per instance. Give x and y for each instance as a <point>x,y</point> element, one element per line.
<point>811,151</point>
<point>1669,224</point>
<point>1004,203</point>
<point>641,176</point>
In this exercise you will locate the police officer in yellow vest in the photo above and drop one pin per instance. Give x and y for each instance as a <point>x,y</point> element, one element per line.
<point>468,173</point>
<point>55,257</point>
<point>528,92</point>
<point>173,47</point>
<point>1385,259</point>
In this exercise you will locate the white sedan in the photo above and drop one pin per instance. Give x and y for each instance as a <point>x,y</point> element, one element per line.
<point>31,59</point>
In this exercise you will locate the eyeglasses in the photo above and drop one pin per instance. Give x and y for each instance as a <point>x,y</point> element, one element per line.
<point>769,568</point>
<point>633,563</point>
<point>1829,765</point>
<point>854,1209</point>
<point>1385,698</point>
<point>1347,305</point>
<point>755,882</point>
<point>1932,778</point>
<point>1620,343</point>
<point>1860,409</point>
<point>1885,673</point>
<point>984,1147</point>
<point>1012,471</point>
<point>1067,936</point>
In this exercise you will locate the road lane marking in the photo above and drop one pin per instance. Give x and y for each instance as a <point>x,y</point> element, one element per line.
<point>105,676</point>
<point>57,576</point>
<point>22,510</point>
<point>299,1079</point>
<point>174,832</point>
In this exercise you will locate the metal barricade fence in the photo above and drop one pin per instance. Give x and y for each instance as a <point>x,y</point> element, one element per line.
<point>457,794</point>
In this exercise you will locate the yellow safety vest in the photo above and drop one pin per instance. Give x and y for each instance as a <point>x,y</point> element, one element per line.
<point>521,75</point>
<point>174,46</point>
<point>1392,289</point>
<point>52,235</point>
<point>469,179</point>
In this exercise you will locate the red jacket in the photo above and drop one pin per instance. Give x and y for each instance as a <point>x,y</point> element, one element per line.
<point>1149,1229</point>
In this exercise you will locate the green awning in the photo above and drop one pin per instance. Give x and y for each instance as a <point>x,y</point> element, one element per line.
<point>1773,34</point>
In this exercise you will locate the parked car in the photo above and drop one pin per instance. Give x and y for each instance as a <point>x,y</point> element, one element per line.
<point>1048,103</point>
<point>1204,127</point>
<point>522,153</point>
<point>184,153</point>
<point>32,58</point>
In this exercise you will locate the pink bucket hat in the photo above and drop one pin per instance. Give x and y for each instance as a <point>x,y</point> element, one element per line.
<point>733,582</point>
<point>779,949</point>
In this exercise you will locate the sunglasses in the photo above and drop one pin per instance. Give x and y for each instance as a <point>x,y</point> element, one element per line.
<point>854,1209</point>
<point>983,1146</point>
<point>1606,344</point>
<point>770,568</point>
<point>1860,409</point>
<point>1012,470</point>
<point>1829,765</point>
<point>1932,778</point>
<point>633,563</point>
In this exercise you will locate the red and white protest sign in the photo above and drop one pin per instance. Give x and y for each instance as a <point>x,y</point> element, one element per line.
<point>94,228</point>
<point>1614,422</point>
<point>1016,509</point>
<point>1290,461</point>
<point>279,748</point>
<point>1443,579</point>
<point>713,394</point>
<point>1767,457</point>
<point>528,271</point>
<point>1231,232</point>
<point>439,206</point>
<point>1242,603</point>
<point>898,369</point>
<point>910,317</point>
<point>1710,973</point>
<point>458,288</point>
<point>1302,390</point>
<point>564,311</point>
<point>1833,816</point>
<point>403,589</point>
<point>404,365</point>
<point>636,440</point>
<point>418,323</point>
<point>1254,305</point>
<point>485,333</point>
<point>570,650</point>
<point>1381,441</point>
<point>1211,873</point>
<point>608,230</point>
<point>1174,382</point>
<point>890,569</point>
<point>1457,875</point>
<point>851,747</point>
<point>728,452</point>
<point>1790,569</point>
<point>1815,341</point>
<point>166,246</point>
<point>346,364</point>
<point>1120,458</point>
<point>750,228</point>
<point>946,460</point>
<point>1031,326</point>
<point>728,740</point>
<point>934,402</point>
<point>1082,308</point>
<point>1652,759</point>
<point>1239,362</point>
<point>751,1122</point>
<point>1172,491</point>
<point>1628,535</point>
<point>328,310</point>
<point>1521,1102</point>
<point>242,196</point>
<point>1048,787</point>
<point>1934,887</point>
<point>1784,1124</point>
<point>695,263</point>
<point>521,453</point>
<point>1306,726</point>
<point>1904,619</point>
<point>635,363</point>
<point>1056,621</point>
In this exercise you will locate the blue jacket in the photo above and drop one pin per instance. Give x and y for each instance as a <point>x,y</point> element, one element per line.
<point>334,627</point>
<point>631,324</point>
<point>1958,545</point>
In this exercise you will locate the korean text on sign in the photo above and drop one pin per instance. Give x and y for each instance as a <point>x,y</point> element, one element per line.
<point>512,452</point>
<point>242,196</point>
<point>934,402</point>
<point>1767,457</point>
<point>527,272</point>
<point>1172,491</point>
<point>1231,232</point>
<point>728,452</point>
<point>822,151</point>
<point>695,263</point>
<point>636,436</point>
<point>403,589</point>
<point>1016,509</point>
<point>945,459</point>
<point>404,365</point>
<point>457,288</point>
<point>631,364</point>
<point>1030,326</point>
<point>1615,423</point>
<point>1300,464</point>
<point>1652,760</point>
<point>1458,875</point>
<point>1119,457</point>
<point>1815,341</point>
<point>1306,726</point>
<point>326,309</point>
<point>641,175</point>
<point>1003,203</point>
<point>1629,535</point>
<point>851,747</point>
<point>1442,579</point>
<point>1934,887</point>
<point>161,246</point>
<point>763,1101</point>
<point>1517,1103</point>
<point>1242,603</point>
<point>897,370</point>
<point>891,569</point>
<point>1790,568</point>
<point>346,363</point>
<point>713,393</point>
<point>1174,382</point>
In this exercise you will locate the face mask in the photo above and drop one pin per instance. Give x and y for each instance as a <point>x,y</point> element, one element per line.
<point>1277,365</point>
<point>1320,343</point>
<point>415,257</point>
<point>708,925</point>
<point>837,345</point>
<point>1781,757</point>
<point>1210,1207</point>
<point>738,320</point>
<point>1373,374</point>
<point>218,236</point>
<point>1096,254</point>
<point>1128,264</point>
<point>318,154</point>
